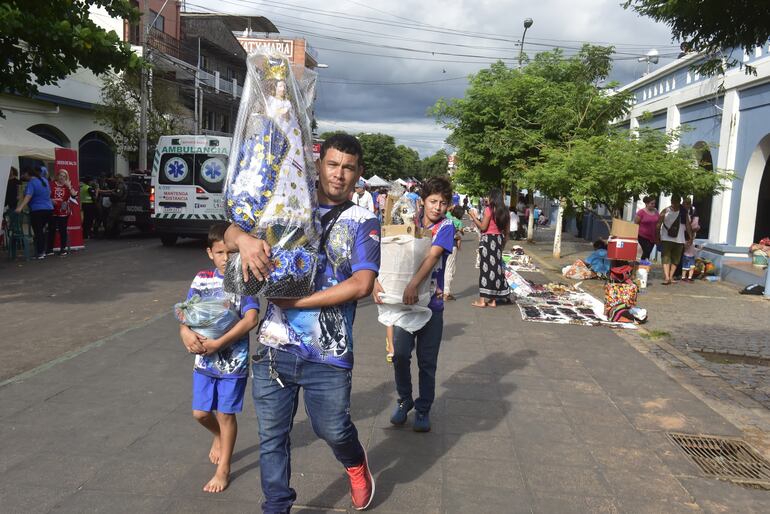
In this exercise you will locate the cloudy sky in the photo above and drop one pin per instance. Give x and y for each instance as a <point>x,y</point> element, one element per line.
<point>390,61</point>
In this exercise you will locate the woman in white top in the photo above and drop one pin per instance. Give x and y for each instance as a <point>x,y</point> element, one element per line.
<point>674,229</point>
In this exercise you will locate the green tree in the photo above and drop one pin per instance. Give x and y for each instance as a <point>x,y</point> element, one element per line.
<point>43,41</point>
<point>509,117</point>
<point>434,165</point>
<point>119,113</point>
<point>328,134</point>
<point>409,162</point>
<point>609,170</point>
<point>710,26</point>
<point>380,155</point>
<point>469,182</point>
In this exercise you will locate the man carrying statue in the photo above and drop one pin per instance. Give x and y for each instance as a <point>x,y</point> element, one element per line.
<point>306,343</point>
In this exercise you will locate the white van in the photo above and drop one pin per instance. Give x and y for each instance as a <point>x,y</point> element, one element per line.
<point>188,177</point>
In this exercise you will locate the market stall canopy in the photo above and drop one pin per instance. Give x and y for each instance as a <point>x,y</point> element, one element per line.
<point>402,182</point>
<point>17,142</point>
<point>376,181</point>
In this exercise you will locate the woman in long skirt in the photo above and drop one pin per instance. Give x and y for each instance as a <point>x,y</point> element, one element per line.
<point>495,228</point>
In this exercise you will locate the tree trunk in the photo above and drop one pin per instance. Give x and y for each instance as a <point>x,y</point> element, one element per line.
<point>557,235</point>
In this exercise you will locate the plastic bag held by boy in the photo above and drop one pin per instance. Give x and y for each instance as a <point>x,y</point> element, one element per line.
<point>270,188</point>
<point>211,318</point>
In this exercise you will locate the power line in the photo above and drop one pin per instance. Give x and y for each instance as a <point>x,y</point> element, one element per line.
<point>486,58</point>
<point>419,26</point>
<point>332,80</point>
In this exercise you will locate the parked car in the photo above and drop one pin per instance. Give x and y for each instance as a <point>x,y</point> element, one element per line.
<point>137,212</point>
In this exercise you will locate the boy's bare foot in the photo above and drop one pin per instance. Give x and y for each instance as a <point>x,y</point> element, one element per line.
<point>218,482</point>
<point>214,452</point>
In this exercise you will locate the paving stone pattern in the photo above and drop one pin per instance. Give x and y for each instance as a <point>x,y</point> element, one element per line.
<point>529,417</point>
<point>698,317</point>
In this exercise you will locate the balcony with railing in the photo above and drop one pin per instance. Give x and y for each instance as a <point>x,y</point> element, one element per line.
<point>164,43</point>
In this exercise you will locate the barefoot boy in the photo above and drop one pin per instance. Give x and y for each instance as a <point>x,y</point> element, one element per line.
<point>221,365</point>
<point>436,197</point>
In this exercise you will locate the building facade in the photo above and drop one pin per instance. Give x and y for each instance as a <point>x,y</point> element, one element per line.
<point>728,117</point>
<point>195,55</point>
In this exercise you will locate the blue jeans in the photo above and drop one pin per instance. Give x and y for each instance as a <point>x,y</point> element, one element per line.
<point>427,340</point>
<point>327,403</point>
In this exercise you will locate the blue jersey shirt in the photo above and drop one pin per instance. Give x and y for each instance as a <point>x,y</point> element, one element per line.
<point>326,335</point>
<point>40,192</point>
<point>233,360</point>
<point>443,237</point>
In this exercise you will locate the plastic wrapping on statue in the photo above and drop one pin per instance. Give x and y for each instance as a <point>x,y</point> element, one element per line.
<point>211,318</point>
<point>404,211</point>
<point>270,188</point>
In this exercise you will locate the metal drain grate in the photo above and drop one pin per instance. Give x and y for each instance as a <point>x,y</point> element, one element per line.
<point>726,458</point>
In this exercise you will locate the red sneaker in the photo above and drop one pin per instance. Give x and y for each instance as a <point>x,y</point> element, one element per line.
<point>361,484</point>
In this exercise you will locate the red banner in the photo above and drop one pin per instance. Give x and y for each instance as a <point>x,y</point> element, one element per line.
<point>67,159</point>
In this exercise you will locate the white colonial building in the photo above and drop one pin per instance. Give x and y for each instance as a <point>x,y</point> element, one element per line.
<point>729,118</point>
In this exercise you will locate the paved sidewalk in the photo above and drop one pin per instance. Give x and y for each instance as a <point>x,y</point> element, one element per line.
<point>529,418</point>
<point>721,330</point>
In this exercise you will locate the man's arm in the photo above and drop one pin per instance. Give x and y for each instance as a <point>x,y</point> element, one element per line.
<point>255,253</point>
<point>359,285</point>
<point>410,292</point>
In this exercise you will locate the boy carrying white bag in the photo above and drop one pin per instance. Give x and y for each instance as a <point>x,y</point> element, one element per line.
<point>400,259</point>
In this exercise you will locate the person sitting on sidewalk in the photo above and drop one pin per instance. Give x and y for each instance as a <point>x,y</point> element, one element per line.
<point>307,343</point>
<point>598,261</point>
<point>436,197</point>
<point>221,365</point>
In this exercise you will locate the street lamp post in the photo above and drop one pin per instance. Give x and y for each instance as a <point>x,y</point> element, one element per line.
<point>527,24</point>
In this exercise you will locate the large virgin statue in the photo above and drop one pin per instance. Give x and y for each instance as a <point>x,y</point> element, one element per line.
<point>270,188</point>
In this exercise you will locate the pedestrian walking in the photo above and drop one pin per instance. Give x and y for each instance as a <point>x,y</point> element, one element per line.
<point>494,228</point>
<point>674,228</point>
<point>362,197</point>
<point>307,343</point>
<point>62,193</point>
<point>647,219</point>
<point>454,215</point>
<point>37,194</point>
<point>12,193</point>
<point>88,198</point>
<point>118,197</point>
<point>436,198</point>
<point>221,363</point>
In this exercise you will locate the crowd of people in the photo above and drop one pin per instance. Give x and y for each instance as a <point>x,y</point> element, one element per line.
<point>314,356</point>
<point>49,205</point>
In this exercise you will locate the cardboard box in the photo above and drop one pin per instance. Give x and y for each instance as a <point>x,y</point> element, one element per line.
<point>624,229</point>
<point>390,201</point>
<point>622,249</point>
<point>408,229</point>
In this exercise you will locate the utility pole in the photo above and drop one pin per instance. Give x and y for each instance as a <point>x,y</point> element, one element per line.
<point>144,32</point>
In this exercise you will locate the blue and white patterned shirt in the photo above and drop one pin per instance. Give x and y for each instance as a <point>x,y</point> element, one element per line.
<point>232,361</point>
<point>326,335</point>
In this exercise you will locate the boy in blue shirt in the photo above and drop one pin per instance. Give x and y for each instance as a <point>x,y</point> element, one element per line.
<point>221,365</point>
<point>436,198</point>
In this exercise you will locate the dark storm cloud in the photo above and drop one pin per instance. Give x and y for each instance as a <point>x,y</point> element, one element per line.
<point>401,110</point>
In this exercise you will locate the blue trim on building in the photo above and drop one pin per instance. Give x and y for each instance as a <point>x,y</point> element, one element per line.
<point>69,102</point>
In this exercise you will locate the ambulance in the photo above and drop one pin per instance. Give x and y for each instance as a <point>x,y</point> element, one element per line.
<point>188,178</point>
